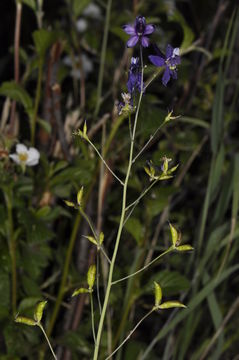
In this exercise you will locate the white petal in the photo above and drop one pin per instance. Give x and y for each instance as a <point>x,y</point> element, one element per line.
<point>33,157</point>
<point>21,148</point>
<point>15,158</point>
<point>176,52</point>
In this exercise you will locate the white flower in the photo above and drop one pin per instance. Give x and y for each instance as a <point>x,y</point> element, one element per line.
<point>25,156</point>
<point>81,25</point>
<point>93,11</point>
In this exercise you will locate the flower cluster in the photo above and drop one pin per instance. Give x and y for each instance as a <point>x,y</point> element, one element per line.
<point>139,34</point>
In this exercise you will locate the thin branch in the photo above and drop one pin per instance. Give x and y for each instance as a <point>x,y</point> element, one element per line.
<point>130,334</point>
<point>105,163</point>
<point>144,267</point>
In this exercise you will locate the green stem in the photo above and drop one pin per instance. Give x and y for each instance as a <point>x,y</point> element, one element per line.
<point>37,101</point>
<point>86,217</point>
<point>131,332</point>
<point>122,217</point>
<point>102,58</point>
<point>144,267</point>
<point>142,195</point>
<point>12,250</point>
<point>92,316</point>
<point>97,283</point>
<point>48,341</point>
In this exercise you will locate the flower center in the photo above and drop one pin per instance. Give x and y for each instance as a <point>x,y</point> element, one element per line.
<point>140,25</point>
<point>170,65</point>
<point>23,157</point>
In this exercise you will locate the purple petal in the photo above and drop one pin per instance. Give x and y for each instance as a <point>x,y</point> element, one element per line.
<point>166,76</point>
<point>132,41</point>
<point>169,51</point>
<point>157,60</point>
<point>145,41</point>
<point>149,29</point>
<point>129,29</point>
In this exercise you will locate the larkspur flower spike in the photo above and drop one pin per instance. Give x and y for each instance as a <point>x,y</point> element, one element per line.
<point>170,61</point>
<point>139,32</point>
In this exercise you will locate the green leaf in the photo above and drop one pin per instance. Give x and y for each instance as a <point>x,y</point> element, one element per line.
<point>171,304</point>
<point>45,125</point>
<point>43,212</point>
<point>157,294</point>
<point>79,5</point>
<point>43,39</point>
<point>135,228</point>
<point>25,320</point>
<point>91,276</point>
<point>31,3</point>
<point>80,291</point>
<point>16,92</point>
<point>39,310</point>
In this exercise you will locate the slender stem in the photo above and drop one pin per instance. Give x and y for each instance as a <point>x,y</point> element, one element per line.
<point>48,341</point>
<point>142,195</point>
<point>131,332</point>
<point>157,73</point>
<point>144,267</point>
<point>105,163</point>
<point>12,250</point>
<point>111,269</point>
<point>102,58</point>
<point>37,100</point>
<point>86,217</point>
<point>97,283</point>
<point>92,316</point>
<point>104,253</point>
<point>130,127</point>
<point>147,143</point>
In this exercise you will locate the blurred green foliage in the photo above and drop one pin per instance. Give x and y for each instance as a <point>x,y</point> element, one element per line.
<point>62,41</point>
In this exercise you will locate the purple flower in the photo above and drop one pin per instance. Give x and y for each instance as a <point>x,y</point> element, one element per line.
<point>138,32</point>
<point>170,61</point>
<point>135,76</point>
